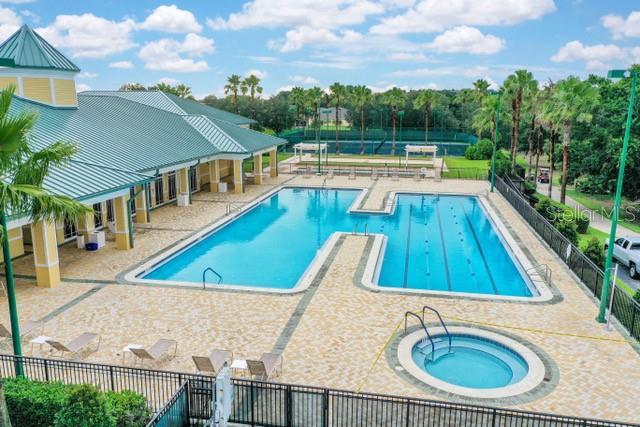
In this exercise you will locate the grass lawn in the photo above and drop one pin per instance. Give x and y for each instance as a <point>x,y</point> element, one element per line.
<point>463,163</point>
<point>600,203</point>
<point>247,166</point>
<point>591,233</point>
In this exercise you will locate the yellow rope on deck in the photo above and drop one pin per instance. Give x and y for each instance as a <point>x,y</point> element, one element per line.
<point>378,354</point>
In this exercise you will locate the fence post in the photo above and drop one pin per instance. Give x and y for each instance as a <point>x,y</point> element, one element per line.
<point>113,387</point>
<point>633,320</point>
<point>325,408</point>
<point>289,403</point>
<point>407,413</point>
<point>46,370</point>
<point>494,414</point>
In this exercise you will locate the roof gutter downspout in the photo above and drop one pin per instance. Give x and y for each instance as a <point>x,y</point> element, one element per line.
<point>191,189</point>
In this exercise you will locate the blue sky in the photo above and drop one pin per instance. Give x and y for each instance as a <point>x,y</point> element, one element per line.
<point>381,43</point>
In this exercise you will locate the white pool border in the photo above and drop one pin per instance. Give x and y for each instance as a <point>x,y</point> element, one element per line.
<point>534,377</point>
<point>374,261</point>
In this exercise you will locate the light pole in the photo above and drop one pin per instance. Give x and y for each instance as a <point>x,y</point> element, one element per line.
<point>604,296</point>
<point>495,144</point>
<point>401,114</point>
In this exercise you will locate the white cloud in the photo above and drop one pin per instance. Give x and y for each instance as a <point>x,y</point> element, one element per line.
<point>297,13</point>
<point>258,73</point>
<point>407,57</point>
<point>264,59</point>
<point>595,56</point>
<point>621,27</point>
<point>286,88</point>
<point>125,65</point>
<point>171,19</point>
<point>81,87</point>
<point>89,36</point>
<point>87,75</point>
<point>467,40</point>
<point>9,23</point>
<point>297,38</point>
<point>471,72</point>
<point>168,54</point>
<point>29,14</point>
<point>438,15</point>
<point>304,80</point>
<point>168,81</point>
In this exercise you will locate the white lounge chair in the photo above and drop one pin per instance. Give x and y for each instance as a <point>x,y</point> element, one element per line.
<point>269,365</point>
<point>26,328</point>
<point>161,348</point>
<point>77,345</point>
<point>214,362</point>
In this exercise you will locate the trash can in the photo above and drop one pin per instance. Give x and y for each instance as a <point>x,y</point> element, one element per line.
<point>92,246</point>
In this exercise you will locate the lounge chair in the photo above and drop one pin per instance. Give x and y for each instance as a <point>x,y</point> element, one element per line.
<point>269,365</point>
<point>77,345</point>
<point>352,174</point>
<point>307,172</point>
<point>214,362</point>
<point>395,175</point>
<point>374,174</point>
<point>330,174</point>
<point>25,329</point>
<point>157,351</point>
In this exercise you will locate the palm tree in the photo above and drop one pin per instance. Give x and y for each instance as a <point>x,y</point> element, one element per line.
<point>572,101</point>
<point>23,171</point>
<point>297,98</point>
<point>183,91</point>
<point>251,85</point>
<point>484,118</point>
<point>547,120</point>
<point>518,86</point>
<point>394,97</point>
<point>338,92</point>
<point>361,97</point>
<point>132,86</point>
<point>232,87</point>
<point>313,98</point>
<point>533,109</point>
<point>426,100</point>
<point>479,93</point>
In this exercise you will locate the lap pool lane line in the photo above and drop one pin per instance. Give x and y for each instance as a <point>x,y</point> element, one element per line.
<point>444,249</point>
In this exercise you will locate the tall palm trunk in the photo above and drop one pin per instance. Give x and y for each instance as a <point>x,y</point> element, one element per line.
<point>538,146</point>
<point>315,123</point>
<point>516,129</point>
<point>427,108</point>
<point>552,148</point>
<point>513,125</point>
<point>393,130</point>
<point>362,130</point>
<point>566,136</point>
<point>235,101</point>
<point>337,127</point>
<point>531,137</point>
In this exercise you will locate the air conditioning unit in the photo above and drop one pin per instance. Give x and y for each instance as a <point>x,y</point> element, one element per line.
<point>183,200</point>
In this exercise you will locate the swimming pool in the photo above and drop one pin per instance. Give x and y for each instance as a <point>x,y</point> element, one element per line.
<point>431,242</point>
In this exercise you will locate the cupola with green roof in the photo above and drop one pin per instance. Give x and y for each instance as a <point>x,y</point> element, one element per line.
<point>38,71</point>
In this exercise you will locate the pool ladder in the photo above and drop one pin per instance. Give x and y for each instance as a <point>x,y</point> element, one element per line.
<point>204,276</point>
<point>424,327</point>
<point>543,271</point>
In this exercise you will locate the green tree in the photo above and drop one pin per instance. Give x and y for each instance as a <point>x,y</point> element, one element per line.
<point>231,88</point>
<point>297,98</point>
<point>573,101</point>
<point>394,97</point>
<point>132,86</point>
<point>86,407</point>
<point>183,91</point>
<point>425,101</point>
<point>313,98</point>
<point>361,96</point>
<point>252,86</point>
<point>338,93</point>
<point>484,118</point>
<point>479,94</point>
<point>518,87</point>
<point>23,170</point>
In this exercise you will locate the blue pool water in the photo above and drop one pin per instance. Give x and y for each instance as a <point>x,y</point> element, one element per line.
<point>473,362</point>
<point>444,243</point>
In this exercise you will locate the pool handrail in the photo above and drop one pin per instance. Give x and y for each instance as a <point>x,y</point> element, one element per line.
<point>543,269</point>
<point>441,322</point>
<point>433,345</point>
<point>204,276</point>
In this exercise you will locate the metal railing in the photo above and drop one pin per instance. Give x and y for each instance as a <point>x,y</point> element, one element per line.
<point>176,412</point>
<point>444,326</point>
<point>623,308</point>
<point>204,276</point>
<point>259,403</point>
<point>424,327</point>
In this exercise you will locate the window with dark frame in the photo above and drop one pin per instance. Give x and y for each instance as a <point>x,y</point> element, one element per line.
<point>97,215</point>
<point>159,190</point>
<point>172,185</point>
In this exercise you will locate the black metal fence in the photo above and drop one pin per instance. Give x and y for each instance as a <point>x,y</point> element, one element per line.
<point>389,170</point>
<point>624,308</point>
<point>258,403</point>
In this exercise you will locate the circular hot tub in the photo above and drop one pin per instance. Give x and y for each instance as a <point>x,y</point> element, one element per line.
<point>471,362</point>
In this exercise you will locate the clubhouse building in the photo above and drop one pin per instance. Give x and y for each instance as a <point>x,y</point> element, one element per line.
<point>136,150</point>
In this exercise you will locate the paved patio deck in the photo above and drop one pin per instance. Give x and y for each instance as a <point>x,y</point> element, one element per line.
<point>335,334</point>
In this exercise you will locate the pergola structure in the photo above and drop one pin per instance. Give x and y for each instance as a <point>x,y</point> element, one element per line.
<point>300,148</point>
<point>421,149</point>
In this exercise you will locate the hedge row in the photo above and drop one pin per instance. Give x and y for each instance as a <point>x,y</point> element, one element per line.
<point>568,221</point>
<point>43,404</point>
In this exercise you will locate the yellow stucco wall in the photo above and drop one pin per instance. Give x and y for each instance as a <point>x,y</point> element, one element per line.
<point>65,91</point>
<point>37,88</point>
<point>7,81</point>
<point>16,243</point>
<point>226,168</point>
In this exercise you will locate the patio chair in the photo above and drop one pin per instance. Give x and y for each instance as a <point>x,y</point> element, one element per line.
<point>25,329</point>
<point>214,362</point>
<point>352,174</point>
<point>77,345</point>
<point>374,174</point>
<point>307,172</point>
<point>416,175</point>
<point>269,365</point>
<point>330,174</point>
<point>161,348</point>
<point>395,175</point>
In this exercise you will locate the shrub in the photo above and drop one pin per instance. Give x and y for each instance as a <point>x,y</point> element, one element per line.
<point>471,152</point>
<point>582,222</point>
<point>33,403</point>
<point>128,408</point>
<point>483,150</point>
<point>594,250</point>
<point>630,211</point>
<point>503,164</point>
<point>546,208</point>
<point>636,296</point>
<point>85,407</point>
<point>568,229</point>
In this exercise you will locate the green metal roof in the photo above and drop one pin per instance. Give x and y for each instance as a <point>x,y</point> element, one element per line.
<point>175,104</point>
<point>26,49</point>
<point>250,140</point>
